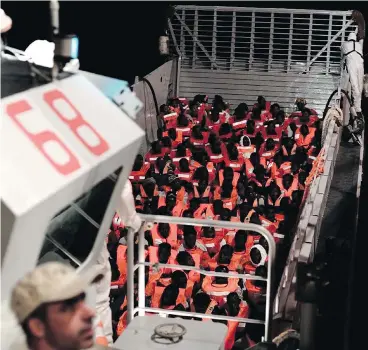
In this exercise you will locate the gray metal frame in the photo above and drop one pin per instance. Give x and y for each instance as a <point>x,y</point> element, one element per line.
<point>141,309</point>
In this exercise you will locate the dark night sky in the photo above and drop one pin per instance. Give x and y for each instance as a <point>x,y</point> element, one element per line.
<point>118,38</point>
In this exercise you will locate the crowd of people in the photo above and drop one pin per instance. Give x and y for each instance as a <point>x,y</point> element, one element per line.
<point>249,166</point>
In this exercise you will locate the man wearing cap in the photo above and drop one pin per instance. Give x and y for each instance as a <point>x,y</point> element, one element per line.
<point>49,303</point>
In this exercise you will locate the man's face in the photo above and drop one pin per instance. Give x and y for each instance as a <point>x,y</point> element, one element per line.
<point>69,324</point>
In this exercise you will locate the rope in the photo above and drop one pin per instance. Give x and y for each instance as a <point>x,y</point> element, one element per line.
<point>334,113</point>
<point>288,334</point>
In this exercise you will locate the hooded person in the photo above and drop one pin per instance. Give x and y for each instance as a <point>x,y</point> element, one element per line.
<point>352,51</point>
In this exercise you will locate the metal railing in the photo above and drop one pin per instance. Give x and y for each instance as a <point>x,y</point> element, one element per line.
<point>240,38</point>
<point>141,309</point>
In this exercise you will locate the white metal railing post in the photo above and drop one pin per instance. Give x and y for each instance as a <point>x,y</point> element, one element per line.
<point>182,36</point>
<point>150,219</point>
<point>130,282</point>
<point>214,34</point>
<point>195,34</point>
<point>252,33</point>
<point>310,31</point>
<point>329,46</point>
<point>270,47</point>
<point>290,46</point>
<point>233,35</point>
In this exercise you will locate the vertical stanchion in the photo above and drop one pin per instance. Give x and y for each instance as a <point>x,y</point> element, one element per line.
<point>130,273</point>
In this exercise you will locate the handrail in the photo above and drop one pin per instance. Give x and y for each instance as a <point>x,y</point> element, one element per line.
<point>150,219</point>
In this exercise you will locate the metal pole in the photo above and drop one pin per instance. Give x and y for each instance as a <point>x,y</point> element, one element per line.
<point>141,273</point>
<point>308,312</point>
<point>130,280</point>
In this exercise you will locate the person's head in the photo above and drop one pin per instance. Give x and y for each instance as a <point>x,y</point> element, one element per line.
<point>261,271</point>
<point>263,242</point>
<point>164,252</point>
<point>225,214</point>
<point>275,108</point>
<point>156,147</point>
<point>201,174</point>
<point>172,133</point>
<point>228,174</point>
<point>240,240</point>
<point>190,236</point>
<point>182,120</point>
<point>138,162</point>
<point>251,125</point>
<point>270,144</point>
<point>232,151</point>
<point>271,128</point>
<point>280,117</point>
<point>166,142</point>
<point>302,177</point>
<point>300,104</point>
<point>188,213</point>
<point>225,129</point>
<point>215,115</point>
<point>278,158</point>
<point>49,303</point>
<point>196,132</point>
<point>261,103</point>
<point>208,232</point>
<point>233,301</point>
<point>185,259</point>
<point>241,111</point>
<point>163,229</point>
<point>259,172</point>
<point>221,280</point>
<point>170,201</point>
<point>287,181</point>
<point>254,158</point>
<point>225,254</point>
<point>179,279</point>
<point>201,301</point>
<point>216,147</point>
<point>194,204</point>
<point>169,296</point>
<point>304,130</point>
<point>181,150</point>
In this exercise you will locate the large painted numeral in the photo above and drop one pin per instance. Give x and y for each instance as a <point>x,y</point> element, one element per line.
<point>45,140</point>
<point>85,132</point>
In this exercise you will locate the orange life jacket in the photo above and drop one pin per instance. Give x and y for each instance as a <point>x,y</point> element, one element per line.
<point>205,195</point>
<point>123,322</point>
<point>246,151</point>
<point>235,181</point>
<point>302,141</point>
<point>179,138</point>
<point>215,158</point>
<point>204,211</point>
<point>139,175</point>
<point>219,292</point>
<point>185,130</point>
<point>170,120</point>
<point>293,187</point>
<point>236,165</point>
<point>233,325</point>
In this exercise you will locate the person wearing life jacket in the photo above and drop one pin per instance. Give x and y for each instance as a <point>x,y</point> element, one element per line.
<point>140,169</point>
<point>183,125</point>
<point>166,145</point>
<point>287,185</point>
<point>163,232</point>
<point>235,307</point>
<point>185,258</point>
<point>264,106</point>
<point>271,131</point>
<point>300,104</point>
<point>155,152</point>
<point>198,138</point>
<point>203,304</point>
<point>180,153</point>
<point>215,152</point>
<point>256,289</point>
<point>228,194</point>
<point>226,133</point>
<point>268,219</point>
<point>228,175</point>
<point>257,117</point>
<point>218,288</point>
<point>258,179</point>
<point>223,257</point>
<point>183,171</point>
<point>240,118</point>
<point>274,196</point>
<point>267,152</point>
<point>306,117</point>
<point>304,136</point>
<point>212,241</point>
<point>171,297</point>
<point>214,121</point>
<point>240,254</point>
<point>180,279</point>
<point>233,160</point>
<point>245,147</point>
<point>202,191</point>
<point>194,246</point>
<point>251,129</point>
<point>288,148</point>
<point>176,137</point>
<point>257,257</point>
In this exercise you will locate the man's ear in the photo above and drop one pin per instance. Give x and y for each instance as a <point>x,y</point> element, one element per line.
<point>37,327</point>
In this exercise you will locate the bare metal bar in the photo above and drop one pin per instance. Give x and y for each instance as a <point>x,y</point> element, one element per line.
<point>214,33</point>
<point>194,58</point>
<point>290,48</point>
<point>141,273</point>
<point>270,47</point>
<point>85,215</point>
<point>252,32</point>
<point>233,35</point>
<point>130,281</point>
<point>310,38</point>
<point>203,272</point>
<point>329,46</point>
<point>265,10</point>
<point>174,37</point>
<point>182,35</point>
<point>61,248</point>
<point>195,314</point>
